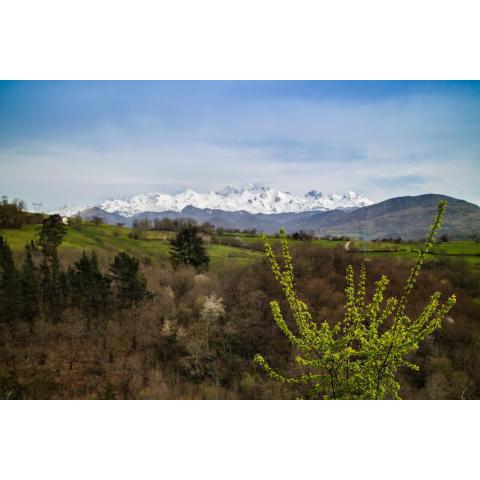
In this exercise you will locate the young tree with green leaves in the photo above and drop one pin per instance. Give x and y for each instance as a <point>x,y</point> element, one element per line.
<point>359,356</point>
<point>188,248</point>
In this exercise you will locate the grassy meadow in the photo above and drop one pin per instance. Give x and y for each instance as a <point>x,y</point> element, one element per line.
<point>107,240</point>
<point>228,249</point>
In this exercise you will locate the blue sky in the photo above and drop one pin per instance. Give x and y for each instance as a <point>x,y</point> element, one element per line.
<point>83,142</point>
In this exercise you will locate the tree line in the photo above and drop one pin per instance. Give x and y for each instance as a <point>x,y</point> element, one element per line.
<point>47,289</point>
<point>13,214</point>
<point>172,225</point>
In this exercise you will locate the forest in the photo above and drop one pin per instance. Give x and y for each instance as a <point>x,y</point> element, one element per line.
<point>179,311</point>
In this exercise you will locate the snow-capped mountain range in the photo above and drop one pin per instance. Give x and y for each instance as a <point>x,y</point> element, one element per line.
<point>250,198</point>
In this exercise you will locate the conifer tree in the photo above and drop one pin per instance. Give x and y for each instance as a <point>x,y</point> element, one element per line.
<point>29,287</point>
<point>359,356</point>
<point>90,289</point>
<point>56,292</point>
<point>10,294</point>
<point>51,234</point>
<point>187,248</point>
<point>54,287</point>
<point>54,280</point>
<point>130,285</point>
<point>44,281</point>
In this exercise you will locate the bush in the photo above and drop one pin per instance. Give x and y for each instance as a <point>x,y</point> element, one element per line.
<point>357,358</point>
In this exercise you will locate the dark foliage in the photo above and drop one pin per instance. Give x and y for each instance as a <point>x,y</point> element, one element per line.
<point>129,284</point>
<point>51,234</point>
<point>90,289</point>
<point>54,285</point>
<point>187,248</point>
<point>302,235</point>
<point>29,287</point>
<point>10,299</point>
<point>97,221</point>
<point>13,214</point>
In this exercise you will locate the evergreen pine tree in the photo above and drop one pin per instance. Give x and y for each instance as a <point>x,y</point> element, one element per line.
<point>51,234</point>
<point>53,279</point>
<point>44,273</point>
<point>10,294</point>
<point>187,248</point>
<point>90,288</point>
<point>54,287</point>
<point>29,287</point>
<point>129,283</point>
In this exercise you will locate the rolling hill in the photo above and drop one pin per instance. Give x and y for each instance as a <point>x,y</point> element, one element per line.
<point>405,217</point>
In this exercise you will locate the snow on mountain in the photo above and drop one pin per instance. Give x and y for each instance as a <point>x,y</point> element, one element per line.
<point>68,210</point>
<point>251,198</point>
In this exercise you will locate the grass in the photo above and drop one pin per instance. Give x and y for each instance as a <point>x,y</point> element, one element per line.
<point>467,250</point>
<point>108,240</point>
<point>224,253</point>
<point>274,241</point>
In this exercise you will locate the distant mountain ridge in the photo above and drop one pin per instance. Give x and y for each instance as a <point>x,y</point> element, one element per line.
<point>405,217</point>
<point>250,198</point>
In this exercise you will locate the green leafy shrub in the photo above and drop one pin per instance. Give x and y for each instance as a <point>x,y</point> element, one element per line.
<point>357,358</point>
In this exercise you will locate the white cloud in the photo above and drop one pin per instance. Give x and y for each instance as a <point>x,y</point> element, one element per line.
<point>380,148</point>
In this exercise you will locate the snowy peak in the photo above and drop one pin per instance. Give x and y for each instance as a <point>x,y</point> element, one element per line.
<point>228,190</point>
<point>251,198</point>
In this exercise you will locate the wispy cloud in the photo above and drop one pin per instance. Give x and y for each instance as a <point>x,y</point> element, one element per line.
<point>379,145</point>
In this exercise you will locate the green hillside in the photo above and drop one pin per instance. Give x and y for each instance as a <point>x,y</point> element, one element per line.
<point>107,240</point>
<point>231,249</point>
